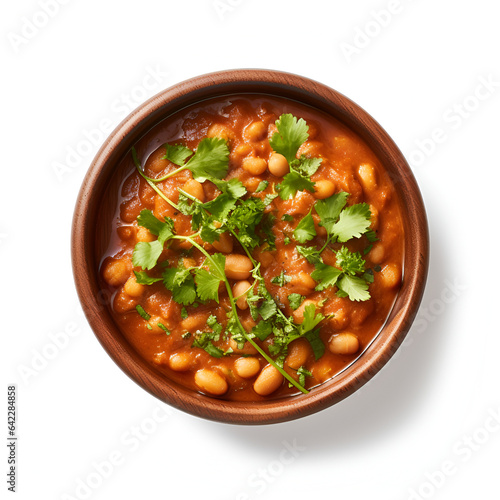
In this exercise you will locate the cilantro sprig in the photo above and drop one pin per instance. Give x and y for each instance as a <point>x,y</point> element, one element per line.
<point>291,134</point>
<point>227,212</point>
<point>342,224</point>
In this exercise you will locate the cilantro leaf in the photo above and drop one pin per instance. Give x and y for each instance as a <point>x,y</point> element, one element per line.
<point>220,206</point>
<point>262,330</point>
<point>371,236</point>
<point>177,154</point>
<point>307,166</point>
<point>216,265</point>
<point>262,186</point>
<point>350,262</point>
<point>207,345</point>
<point>267,309</point>
<point>268,199</point>
<point>282,279</point>
<point>233,187</point>
<point>311,319</point>
<point>266,228</point>
<point>210,161</point>
<point>305,230</point>
<point>295,299</point>
<point>293,182</point>
<point>353,222</point>
<point>146,254</point>
<point>354,287</point>
<point>303,373</point>
<point>325,276</point>
<point>329,209</point>
<point>316,343</point>
<point>208,281</point>
<point>164,230</point>
<point>310,253</point>
<point>207,285</point>
<point>292,133</point>
<point>287,218</point>
<point>143,278</point>
<point>180,282</point>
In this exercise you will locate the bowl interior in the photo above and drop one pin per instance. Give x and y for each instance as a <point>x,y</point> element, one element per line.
<point>91,209</point>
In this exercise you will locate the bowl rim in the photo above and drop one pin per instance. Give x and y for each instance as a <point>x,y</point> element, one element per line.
<point>285,85</point>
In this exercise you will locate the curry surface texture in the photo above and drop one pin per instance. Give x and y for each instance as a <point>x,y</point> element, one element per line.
<point>247,122</point>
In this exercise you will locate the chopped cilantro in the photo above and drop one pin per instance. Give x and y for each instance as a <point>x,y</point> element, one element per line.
<point>350,262</point>
<point>262,330</point>
<point>371,236</point>
<point>262,186</point>
<point>307,166</point>
<point>302,372</point>
<point>295,299</point>
<point>346,278</point>
<point>142,313</point>
<point>316,343</point>
<point>186,335</point>
<point>268,199</point>
<point>184,313</point>
<point>312,254</point>
<point>164,328</point>
<point>286,240</point>
<point>287,218</point>
<point>282,279</point>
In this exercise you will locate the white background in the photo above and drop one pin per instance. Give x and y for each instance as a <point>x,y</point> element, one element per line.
<point>87,63</point>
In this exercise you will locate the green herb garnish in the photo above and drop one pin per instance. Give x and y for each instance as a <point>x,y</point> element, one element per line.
<point>142,313</point>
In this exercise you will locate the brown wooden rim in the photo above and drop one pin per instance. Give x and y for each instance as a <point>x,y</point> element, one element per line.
<point>236,82</point>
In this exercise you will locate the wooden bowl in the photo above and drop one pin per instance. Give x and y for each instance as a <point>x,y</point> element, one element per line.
<point>85,263</point>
